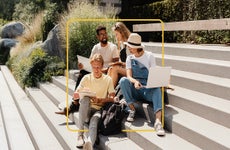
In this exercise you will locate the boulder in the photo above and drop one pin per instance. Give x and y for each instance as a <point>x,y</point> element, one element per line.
<point>12,30</point>
<point>52,45</point>
<point>7,43</point>
<point>5,46</point>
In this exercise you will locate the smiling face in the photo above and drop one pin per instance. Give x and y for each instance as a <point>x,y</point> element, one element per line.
<point>97,63</point>
<point>97,69</point>
<point>102,36</point>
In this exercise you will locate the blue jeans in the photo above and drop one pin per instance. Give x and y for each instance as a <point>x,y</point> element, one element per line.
<point>131,94</point>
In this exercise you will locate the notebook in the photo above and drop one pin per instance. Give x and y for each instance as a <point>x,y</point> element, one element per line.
<point>158,77</point>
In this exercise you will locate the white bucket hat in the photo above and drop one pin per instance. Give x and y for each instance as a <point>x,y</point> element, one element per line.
<point>134,41</point>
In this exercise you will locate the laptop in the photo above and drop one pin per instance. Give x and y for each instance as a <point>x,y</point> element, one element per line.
<point>158,77</point>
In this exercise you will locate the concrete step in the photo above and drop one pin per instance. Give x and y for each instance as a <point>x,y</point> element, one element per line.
<point>201,104</point>
<point>52,91</point>
<point>57,94</point>
<point>140,135</point>
<point>212,85</point>
<point>135,137</point>
<point>197,130</point>
<point>218,52</point>
<point>3,137</point>
<point>57,123</point>
<point>15,129</point>
<point>38,130</point>
<point>63,82</point>
<point>144,135</point>
<point>197,65</point>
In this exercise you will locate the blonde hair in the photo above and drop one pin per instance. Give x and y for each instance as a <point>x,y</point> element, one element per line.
<point>97,58</point>
<point>121,27</point>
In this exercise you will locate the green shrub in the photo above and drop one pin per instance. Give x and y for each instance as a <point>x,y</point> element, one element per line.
<point>181,10</point>
<point>82,34</point>
<point>50,20</point>
<point>38,67</point>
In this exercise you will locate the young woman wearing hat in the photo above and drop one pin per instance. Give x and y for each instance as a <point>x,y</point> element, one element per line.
<point>132,86</point>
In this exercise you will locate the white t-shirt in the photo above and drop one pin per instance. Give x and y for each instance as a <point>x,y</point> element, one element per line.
<point>108,52</point>
<point>147,59</point>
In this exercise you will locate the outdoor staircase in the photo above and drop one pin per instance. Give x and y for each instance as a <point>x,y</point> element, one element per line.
<point>197,117</point>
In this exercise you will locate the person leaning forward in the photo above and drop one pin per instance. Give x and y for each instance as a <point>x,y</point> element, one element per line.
<point>89,111</point>
<point>132,86</point>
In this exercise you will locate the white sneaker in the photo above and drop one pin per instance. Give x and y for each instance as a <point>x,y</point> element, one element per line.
<point>88,146</point>
<point>130,118</point>
<point>158,128</point>
<point>80,141</point>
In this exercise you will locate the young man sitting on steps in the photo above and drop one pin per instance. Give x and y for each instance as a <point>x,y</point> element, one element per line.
<point>89,111</point>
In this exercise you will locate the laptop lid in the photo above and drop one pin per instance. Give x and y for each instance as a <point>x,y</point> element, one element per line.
<point>158,77</point>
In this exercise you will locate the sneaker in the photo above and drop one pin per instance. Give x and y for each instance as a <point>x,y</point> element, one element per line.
<point>80,141</point>
<point>88,146</point>
<point>158,128</point>
<point>130,118</point>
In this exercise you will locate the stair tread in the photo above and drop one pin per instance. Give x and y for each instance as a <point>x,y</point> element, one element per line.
<point>64,82</point>
<point>142,129</point>
<point>186,144</point>
<point>215,132</point>
<point>214,62</point>
<point>35,123</point>
<point>201,98</point>
<point>55,91</point>
<point>3,138</point>
<point>225,82</point>
<point>190,46</point>
<point>13,121</point>
<point>58,121</point>
<point>145,131</point>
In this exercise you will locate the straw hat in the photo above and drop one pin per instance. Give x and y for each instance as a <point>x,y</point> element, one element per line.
<point>134,41</point>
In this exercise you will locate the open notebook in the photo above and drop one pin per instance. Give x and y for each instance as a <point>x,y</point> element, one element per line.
<point>158,77</point>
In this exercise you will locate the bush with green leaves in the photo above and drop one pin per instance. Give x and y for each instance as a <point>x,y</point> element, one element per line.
<point>82,34</point>
<point>37,67</point>
<point>181,10</point>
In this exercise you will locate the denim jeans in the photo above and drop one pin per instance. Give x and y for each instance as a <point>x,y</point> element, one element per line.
<point>131,94</point>
<point>88,114</point>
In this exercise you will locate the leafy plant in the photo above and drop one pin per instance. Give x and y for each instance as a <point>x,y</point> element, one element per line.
<point>82,34</point>
<point>38,67</point>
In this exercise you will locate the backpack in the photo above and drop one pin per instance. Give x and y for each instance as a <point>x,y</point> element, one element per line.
<point>111,119</point>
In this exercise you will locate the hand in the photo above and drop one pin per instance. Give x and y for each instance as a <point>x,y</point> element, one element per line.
<point>80,66</point>
<point>96,100</point>
<point>76,95</point>
<point>137,85</point>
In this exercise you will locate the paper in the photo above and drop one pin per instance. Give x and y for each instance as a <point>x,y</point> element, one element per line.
<point>86,63</point>
<point>82,94</point>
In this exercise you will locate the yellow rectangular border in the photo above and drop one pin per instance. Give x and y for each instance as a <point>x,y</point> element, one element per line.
<point>67,62</point>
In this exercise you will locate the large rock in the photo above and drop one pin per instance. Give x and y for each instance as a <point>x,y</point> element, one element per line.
<point>52,45</point>
<point>7,43</point>
<point>5,46</point>
<point>12,30</point>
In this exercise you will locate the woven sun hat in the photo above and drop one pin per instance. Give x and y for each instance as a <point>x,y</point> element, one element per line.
<point>134,41</point>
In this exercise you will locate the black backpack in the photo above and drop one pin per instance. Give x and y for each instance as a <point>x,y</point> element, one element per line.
<point>111,119</point>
